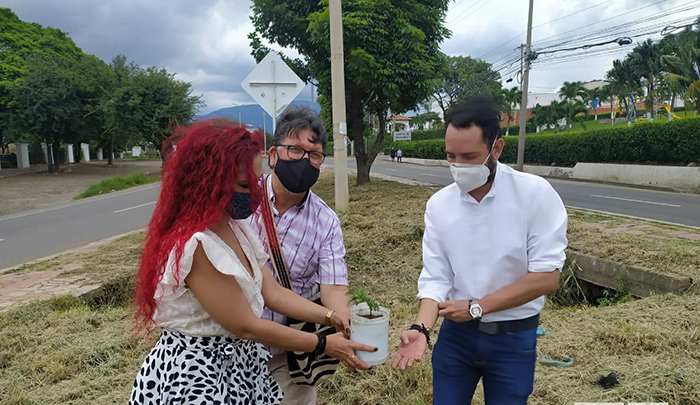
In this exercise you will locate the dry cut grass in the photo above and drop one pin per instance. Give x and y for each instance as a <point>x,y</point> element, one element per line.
<point>82,352</point>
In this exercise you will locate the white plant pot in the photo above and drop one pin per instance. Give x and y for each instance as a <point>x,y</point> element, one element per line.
<point>372,332</point>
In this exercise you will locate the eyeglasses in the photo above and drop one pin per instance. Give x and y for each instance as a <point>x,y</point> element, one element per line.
<point>297,153</point>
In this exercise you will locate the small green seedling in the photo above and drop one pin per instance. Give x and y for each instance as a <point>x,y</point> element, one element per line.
<point>358,295</point>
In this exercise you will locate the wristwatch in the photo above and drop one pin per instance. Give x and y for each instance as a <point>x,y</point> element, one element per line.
<point>475,309</point>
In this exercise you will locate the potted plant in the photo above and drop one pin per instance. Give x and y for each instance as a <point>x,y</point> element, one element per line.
<point>370,326</point>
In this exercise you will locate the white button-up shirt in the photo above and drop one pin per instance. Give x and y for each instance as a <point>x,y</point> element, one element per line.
<point>472,249</point>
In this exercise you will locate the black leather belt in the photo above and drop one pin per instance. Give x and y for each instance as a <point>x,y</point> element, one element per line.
<point>519,325</point>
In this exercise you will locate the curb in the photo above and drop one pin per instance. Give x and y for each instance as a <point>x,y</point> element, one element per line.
<point>92,245</point>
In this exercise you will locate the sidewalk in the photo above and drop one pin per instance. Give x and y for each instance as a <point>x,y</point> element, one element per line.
<point>661,178</point>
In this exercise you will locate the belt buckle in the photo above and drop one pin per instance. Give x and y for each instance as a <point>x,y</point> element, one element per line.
<point>490,328</point>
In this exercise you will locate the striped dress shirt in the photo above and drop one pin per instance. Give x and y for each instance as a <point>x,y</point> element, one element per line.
<point>312,243</point>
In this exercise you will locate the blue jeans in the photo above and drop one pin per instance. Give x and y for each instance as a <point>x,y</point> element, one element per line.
<point>463,355</point>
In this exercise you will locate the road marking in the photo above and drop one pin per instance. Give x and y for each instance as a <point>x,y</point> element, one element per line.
<point>81,202</point>
<point>133,208</point>
<point>430,174</point>
<point>2,240</point>
<point>637,201</point>
<point>392,170</point>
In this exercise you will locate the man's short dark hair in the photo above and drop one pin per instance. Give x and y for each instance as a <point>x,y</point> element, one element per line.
<point>479,111</point>
<point>294,119</point>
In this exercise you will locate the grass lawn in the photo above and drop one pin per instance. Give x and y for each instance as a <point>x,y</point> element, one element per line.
<point>116,183</point>
<point>74,351</point>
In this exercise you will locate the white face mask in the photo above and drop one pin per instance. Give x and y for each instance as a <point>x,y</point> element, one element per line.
<point>471,176</point>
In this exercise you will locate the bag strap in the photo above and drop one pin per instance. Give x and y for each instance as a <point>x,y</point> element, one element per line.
<point>273,242</point>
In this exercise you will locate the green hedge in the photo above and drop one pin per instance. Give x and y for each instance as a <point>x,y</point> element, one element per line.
<point>674,142</point>
<point>425,134</point>
<point>8,161</point>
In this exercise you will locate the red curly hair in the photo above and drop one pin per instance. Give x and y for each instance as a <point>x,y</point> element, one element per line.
<point>196,191</point>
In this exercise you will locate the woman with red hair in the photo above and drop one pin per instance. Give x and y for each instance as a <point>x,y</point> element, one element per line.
<point>200,281</point>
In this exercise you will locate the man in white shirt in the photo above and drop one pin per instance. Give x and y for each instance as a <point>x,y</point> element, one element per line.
<point>493,247</point>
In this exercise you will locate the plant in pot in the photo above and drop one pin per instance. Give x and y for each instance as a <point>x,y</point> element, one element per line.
<point>370,326</point>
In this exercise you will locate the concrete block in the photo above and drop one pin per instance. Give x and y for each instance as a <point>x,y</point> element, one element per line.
<point>22,155</point>
<point>45,149</point>
<point>136,151</point>
<point>85,148</point>
<point>638,281</point>
<point>69,153</point>
<point>678,177</point>
<point>100,156</point>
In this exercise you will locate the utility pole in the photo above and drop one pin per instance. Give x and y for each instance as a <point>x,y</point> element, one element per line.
<point>340,158</point>
<point>523,103</point>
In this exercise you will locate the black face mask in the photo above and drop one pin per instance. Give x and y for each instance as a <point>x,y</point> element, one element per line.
<point>241,205</point>
<point>297,176</point>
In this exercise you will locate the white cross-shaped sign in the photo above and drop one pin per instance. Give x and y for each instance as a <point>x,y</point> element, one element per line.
<point>273,85</point>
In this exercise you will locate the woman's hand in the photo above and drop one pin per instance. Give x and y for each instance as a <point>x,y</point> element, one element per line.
<point>339,347</point>
<point>341,322</point>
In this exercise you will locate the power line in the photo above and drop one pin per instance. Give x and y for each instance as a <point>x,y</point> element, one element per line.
<point>463,12</point>
<point>470,14</point>
<point>626,28</point>
<point>556,41</point>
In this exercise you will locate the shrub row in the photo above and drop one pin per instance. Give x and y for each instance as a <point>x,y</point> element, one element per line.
<point>674,142</point>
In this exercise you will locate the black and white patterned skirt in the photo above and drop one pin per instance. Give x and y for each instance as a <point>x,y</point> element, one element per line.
<point>183,369</point>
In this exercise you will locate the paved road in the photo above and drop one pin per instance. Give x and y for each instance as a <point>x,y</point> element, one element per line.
<point>658,205</point>
<point>31,235</point>
<point>34,234</point>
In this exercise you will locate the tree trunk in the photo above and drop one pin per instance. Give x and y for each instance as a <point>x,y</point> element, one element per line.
<point>49,155</point>
<point>357,126</point>
<point>110,161</point>
<point>76,152</point>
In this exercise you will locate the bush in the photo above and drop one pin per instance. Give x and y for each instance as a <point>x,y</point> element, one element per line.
<point>117,183</point>
<point>674,142</point>
<point>422,135</point>
<point>8,161</point>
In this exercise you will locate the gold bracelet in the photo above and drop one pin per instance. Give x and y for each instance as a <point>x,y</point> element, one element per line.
<point>328,317</point>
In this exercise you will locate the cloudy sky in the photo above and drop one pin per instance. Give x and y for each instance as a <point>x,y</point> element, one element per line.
<point>205,42</point>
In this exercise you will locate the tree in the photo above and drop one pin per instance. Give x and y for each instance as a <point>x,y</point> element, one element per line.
<point>645,60</point>
<point>47,101</point>
<point>20,40</point>
<point>157,102</point>
<point>572,93</point>
<point>513,97</point>
<point>682,64</point>
<point>623,81</point>
<point>391,51</point>
<point>462,78</point>
<point>428,117</point>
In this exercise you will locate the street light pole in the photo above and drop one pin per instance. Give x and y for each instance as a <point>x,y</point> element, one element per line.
<point>340,158</point>
<point>523,102</point>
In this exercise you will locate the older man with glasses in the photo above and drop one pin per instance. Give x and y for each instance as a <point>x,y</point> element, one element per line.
<point>309,231</point>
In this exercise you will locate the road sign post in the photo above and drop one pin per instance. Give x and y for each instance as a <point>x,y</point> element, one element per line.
<point>273,85</point>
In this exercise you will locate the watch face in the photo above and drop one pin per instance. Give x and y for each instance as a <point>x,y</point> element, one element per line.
<point>475,311</point>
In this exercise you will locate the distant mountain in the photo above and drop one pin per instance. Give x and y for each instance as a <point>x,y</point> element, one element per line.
<point>252,114</point>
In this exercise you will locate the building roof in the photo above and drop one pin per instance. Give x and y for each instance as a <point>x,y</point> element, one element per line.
<point>400,117</point>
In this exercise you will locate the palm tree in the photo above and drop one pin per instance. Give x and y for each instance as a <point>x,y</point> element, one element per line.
<point>645,62</point>
<point>623,81</point>
<point>513,97</point>
<point>571,93</point>
<point>683,67</point>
